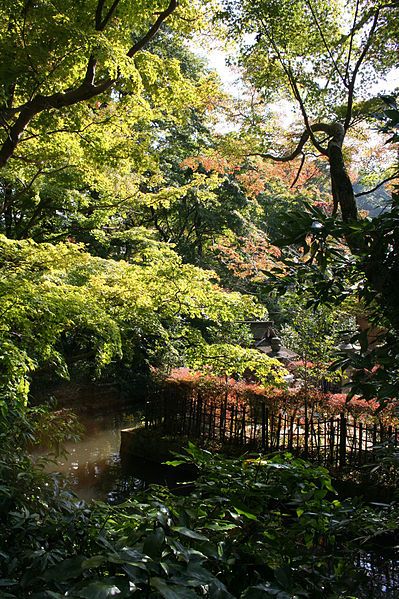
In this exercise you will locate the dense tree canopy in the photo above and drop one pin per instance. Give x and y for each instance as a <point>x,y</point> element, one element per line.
<point>146,215</point>
<point>82,109</point>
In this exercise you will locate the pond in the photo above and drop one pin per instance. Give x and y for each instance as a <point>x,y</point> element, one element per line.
<point>95,471</point>
<point>93,466</point>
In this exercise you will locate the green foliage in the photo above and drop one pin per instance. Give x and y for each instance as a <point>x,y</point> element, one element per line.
<point>76,165</point>
<point>250,527</point>
<point>314,335</point>
<point>331,276</point>
<point>61,306</point>
<point>316,44</point>
<point>112,173</point>
<point>224,359</point>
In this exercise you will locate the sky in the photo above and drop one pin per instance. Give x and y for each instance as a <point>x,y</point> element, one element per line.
<point>231,82</point>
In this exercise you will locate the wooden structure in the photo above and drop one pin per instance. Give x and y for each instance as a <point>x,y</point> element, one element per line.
<point>221,422</point>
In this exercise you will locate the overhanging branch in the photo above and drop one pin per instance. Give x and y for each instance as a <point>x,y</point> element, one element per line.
<point>391,178</point>
<point>299,170</point>
<point>359,62</point>
<point>86,90</point>
<point>333,131</point>
<point>152,30</point>
<point>327,47</point>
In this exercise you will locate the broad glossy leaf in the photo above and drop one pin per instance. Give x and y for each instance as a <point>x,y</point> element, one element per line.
<point>100,590</point>
<point>69,568</point>
<point>169,591</point>
<point>154,542</point>
<point>191,534</point>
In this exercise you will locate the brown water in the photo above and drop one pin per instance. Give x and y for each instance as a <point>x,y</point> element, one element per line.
<point>92,465</point>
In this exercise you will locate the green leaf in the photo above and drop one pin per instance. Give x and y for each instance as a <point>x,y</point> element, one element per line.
<point>245,513</point>
<point>221,526</point>
<point>169,591</point>
<point>284,577</point>
<point>69,568</point>
<point>153,543</point>
<point>94,562</point>
<point>99,590</point>
<point>261,591</point>
<point>191,534</point>
<point>46,595</point>
<point>328,486</point>
<point>7,582</point>
<point>218,591</point>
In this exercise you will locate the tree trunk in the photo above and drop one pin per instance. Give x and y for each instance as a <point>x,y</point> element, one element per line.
<point>342,189</point>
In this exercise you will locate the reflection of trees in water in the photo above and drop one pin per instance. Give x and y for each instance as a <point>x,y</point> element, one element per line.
<point>103,479</point>
<point>111,421</point>
<point>93,465</point>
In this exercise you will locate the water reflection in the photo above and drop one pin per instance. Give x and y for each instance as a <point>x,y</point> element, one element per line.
<point>93,466</point>
<point>94,469</point>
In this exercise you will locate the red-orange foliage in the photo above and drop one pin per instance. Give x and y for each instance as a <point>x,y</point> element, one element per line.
<point>248,257</point>
<point>255,179</point>
<point>287,401</point>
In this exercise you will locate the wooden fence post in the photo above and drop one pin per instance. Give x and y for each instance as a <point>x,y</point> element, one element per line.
<point>342,441</point>
<point>332,440</point>
<point>278,432</point>
<point>198,416</point>
<point>263,426</point>
<point>243,425</point>
<point>306,437</point>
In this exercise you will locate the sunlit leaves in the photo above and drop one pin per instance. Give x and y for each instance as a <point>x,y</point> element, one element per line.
<point>227,360</point>
<point>68,301</point>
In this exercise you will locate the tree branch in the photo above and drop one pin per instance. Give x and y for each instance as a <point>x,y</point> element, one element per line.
<point>392,178</point>
<point>66,130</point>
<point>309,128</point>
<point>352,35</point>
<point>294,87</point>
<point>308,2</point>
<point>152,30</point>
<point>39,103</point>
<point>351,87</point>
<point>299,170</point>
<point>101,23</point>
<point>99,14</point>
<point>85,91</point>
<point>90,71</point>
<point>332,130</point>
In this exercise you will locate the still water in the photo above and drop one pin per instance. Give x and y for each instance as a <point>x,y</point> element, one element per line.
<point>93,466</point>
<point>94,469</point>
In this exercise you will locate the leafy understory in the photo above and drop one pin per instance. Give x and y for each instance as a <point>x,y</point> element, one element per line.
<point>249,527</point>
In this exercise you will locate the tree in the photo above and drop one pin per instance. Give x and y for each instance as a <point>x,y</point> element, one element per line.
<point>324,270</point>
<point>61,306</point>
<point>326,56</point>
<point>305,49</point>
<point>77,120</point>
<point>80,42</point>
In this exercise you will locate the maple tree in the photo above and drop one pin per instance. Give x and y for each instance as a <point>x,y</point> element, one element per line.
<point>77,115</point>
<point>305,50</point>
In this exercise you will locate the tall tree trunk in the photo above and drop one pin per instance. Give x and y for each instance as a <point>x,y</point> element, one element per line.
<point>342,189</point>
